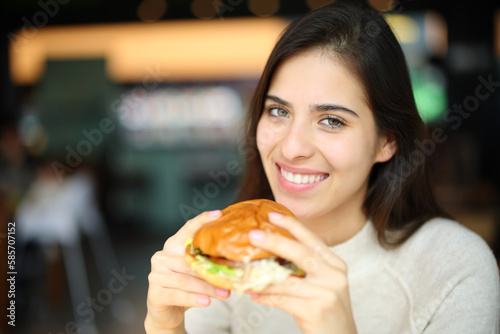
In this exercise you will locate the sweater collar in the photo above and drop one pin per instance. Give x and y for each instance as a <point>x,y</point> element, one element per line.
<point>362,252</point>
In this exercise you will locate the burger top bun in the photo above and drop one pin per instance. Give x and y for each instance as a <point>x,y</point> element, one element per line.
<point>228,236</point>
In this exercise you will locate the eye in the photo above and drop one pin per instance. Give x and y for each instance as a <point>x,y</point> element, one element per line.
<point>332,122</point>
<point>277,112</point>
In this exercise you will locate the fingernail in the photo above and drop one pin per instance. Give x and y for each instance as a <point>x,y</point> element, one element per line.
<point>221,292</point>
<point>214,213</point>
<point>203,300</point>
<point>256,235</point>
<point>275,216</point>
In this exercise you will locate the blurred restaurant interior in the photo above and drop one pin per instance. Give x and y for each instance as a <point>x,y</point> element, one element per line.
<point>120,120</point>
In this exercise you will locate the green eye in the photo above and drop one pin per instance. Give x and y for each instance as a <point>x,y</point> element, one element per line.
<point>332,122</point>
<point>278,112</point>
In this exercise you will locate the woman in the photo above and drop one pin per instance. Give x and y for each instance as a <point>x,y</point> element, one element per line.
<point>339,142</point>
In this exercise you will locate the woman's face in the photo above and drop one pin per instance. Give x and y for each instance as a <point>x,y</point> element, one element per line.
<point>317,138</point>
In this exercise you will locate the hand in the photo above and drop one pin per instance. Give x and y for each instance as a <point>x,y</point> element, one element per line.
<point>173,286</point>
<point>319,303</point>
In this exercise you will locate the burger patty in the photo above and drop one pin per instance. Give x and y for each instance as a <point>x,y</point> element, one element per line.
<point>238,264</point>
<point>225,262</point>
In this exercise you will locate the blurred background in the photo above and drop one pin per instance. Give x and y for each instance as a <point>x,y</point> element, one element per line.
<point>120,120</point>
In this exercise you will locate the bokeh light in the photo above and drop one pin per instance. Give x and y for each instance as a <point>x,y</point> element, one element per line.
<point>264,8</point>
<point>382,5</point>
<point>151,10</point>
<point>204,9</point>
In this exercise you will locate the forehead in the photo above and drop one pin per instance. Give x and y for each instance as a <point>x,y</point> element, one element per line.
<point>315,76</point>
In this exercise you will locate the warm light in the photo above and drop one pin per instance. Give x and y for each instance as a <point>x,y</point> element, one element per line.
<point>172,51</point>
<point>436,34</point>
<point>151,10</point>
<point>404,27</point>
<point>382,5</point>
<point>206,9</point>
<point>264,8</point>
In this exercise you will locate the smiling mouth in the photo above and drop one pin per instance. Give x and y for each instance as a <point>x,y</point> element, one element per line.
<point>302,178</point>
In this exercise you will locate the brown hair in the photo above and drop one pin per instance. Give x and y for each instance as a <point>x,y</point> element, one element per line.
<point>399,196</point>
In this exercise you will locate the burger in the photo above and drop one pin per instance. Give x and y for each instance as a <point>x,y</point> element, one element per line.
<point>220,251</point>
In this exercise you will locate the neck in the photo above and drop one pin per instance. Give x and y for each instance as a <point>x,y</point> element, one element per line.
<point>338,231</point>
<point>338,226</point>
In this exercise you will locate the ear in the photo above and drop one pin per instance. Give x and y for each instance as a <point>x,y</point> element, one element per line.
<point>388,147</point>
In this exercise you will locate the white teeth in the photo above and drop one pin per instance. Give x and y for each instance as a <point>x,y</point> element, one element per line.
<point>300,179</point>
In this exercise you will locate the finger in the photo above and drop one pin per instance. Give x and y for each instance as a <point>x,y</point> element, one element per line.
<point>294,305</point>
<point>194,224</point>
<point>302,233</point>
<point>176,272</point>
<point>160,297</point>
<point>289,249</point>
<point>306,237</point>
<point>310,261</point>
<point>293,286</point>
<point>307,302</point>
<point>164,263</point>
<point>306,288</point>
<point>187,231</point>
<point>186,283</point>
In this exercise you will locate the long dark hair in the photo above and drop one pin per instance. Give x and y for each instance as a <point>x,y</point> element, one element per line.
<point>399,196</point>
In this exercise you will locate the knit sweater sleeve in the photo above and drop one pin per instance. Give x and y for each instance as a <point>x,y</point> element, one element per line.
<point>472,306</point>
<point>469,300</point>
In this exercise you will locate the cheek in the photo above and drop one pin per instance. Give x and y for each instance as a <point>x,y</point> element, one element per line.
<point>268,135</point>
<point>348,152</point>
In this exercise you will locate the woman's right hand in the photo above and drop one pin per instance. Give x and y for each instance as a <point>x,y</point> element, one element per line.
<point>173,286</point>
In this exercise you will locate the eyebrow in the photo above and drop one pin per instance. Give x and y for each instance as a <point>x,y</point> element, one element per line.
<point>316,107</point>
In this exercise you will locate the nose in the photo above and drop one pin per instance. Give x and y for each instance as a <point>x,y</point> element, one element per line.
<point>297,143</point>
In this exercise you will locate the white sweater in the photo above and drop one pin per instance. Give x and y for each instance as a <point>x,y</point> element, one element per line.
<point>444,280</point>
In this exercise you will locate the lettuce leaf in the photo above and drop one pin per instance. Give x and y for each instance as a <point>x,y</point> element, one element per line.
<point>209,266</point>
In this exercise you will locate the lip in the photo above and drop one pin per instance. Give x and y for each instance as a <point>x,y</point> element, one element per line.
<point>296,170</point>
<point>293,187</point>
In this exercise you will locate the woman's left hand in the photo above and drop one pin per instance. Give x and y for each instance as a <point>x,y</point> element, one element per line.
<point>319,303</point>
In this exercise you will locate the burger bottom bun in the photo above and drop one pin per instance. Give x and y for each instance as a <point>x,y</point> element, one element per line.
<point>254,276</point>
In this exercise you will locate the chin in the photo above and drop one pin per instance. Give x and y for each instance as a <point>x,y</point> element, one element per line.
<point>299,206</point>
